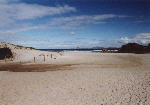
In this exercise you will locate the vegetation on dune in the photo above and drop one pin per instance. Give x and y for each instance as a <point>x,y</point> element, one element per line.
<point>134,48</point>
<point>9,45</point>
<point>5,53</point>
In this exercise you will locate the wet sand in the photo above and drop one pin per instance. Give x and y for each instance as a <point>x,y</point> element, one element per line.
<point>13,67</point>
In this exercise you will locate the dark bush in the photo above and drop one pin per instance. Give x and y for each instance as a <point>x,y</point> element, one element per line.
<point>5,53</point>
<point>148,47</point>
<point>134,48</point>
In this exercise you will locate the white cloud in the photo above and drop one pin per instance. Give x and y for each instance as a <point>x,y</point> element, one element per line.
<point>72,33</point>
<point>74,22</point>
<point>142,38</point>
<point>11,12</point>
<point>14,13</point>
<point>10,37</point>
<point>8,1</point>
<point>20,29</point>
<point>31,11</point>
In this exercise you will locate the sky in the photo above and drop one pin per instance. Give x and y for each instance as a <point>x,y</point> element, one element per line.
<point>50,24</point>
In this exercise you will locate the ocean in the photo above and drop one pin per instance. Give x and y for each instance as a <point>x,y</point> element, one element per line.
<point>75,50</point>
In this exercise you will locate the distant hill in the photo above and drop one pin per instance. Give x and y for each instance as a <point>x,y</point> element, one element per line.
<point>98,48</point>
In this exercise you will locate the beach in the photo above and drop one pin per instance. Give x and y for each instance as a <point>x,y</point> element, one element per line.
<point>74,52</point>
<point>76,78</point>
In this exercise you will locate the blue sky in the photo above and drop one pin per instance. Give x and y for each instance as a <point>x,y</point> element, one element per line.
<point>74,23</point>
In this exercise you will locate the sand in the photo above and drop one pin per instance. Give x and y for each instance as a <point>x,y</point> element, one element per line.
<point>76,78</point>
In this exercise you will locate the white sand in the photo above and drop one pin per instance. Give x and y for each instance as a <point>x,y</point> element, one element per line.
<point>93,79</point>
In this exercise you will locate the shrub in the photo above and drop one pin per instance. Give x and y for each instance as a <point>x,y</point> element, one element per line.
<point>134,48</point>
<point>5,53</point>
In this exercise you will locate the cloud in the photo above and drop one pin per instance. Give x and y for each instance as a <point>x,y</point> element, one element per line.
<point>142,38</point>
<point>11,12</point>
<point>10,37</point>
<point>8,1</point>
<point>20,29</point>
<point>74,22</point>
<point>16,16</point>
<point>72,33</point>
<point>139,21</point>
